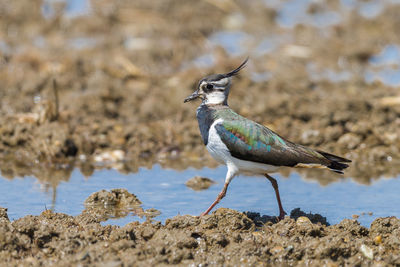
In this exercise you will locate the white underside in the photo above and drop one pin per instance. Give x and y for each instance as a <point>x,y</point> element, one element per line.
<point>220,153</point>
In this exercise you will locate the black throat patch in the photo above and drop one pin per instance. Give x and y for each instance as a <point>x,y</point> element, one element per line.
<point>205,118</point>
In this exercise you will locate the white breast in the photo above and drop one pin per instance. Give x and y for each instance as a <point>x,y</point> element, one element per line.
<point>216,147</point>
<point>220,153</point>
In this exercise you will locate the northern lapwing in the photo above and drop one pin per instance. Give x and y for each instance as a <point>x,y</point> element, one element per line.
<point>245,146</point>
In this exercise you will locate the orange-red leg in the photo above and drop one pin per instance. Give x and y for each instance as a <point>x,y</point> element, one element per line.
<point>220,196</point>
<point>274,183</point>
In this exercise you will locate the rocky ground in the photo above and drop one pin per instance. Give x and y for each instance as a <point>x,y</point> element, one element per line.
<point>106,89</point>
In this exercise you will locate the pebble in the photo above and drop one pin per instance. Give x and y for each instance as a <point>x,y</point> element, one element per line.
<point>367,251</point>
<point>349,140</point>
<point>199,183</point>
<point>378,239</point>
<point>110,156</point>
<point>276,249</point>
<point>302,220</point>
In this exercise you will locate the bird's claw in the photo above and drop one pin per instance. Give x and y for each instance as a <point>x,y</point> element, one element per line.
<point>281,216</point>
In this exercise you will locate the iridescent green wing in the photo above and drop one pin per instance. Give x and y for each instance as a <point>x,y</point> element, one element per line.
<point>251,141</point>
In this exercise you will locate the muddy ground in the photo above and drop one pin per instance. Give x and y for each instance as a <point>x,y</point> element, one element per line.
<point>226,237</point>
<point>106,89</point>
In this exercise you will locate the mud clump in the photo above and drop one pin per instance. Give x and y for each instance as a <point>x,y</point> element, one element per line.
<point>3,214</point>
<point>260,220</point>
<point>224,237</point>
<point>198,183</point>
<point>114,204</point>
<point>298,215</point>
<point>116,197</point>
<point>314,218</point>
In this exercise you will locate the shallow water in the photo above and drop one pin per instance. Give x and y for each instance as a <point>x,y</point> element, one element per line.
<point>165,191</point>
<point>385,66</point>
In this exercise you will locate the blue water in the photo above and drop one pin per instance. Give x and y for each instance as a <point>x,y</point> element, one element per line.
<point>165,191</point>
<point>232,41</point>
<point>385,66</point>
<point>294,12</point>
<point>73,8</point>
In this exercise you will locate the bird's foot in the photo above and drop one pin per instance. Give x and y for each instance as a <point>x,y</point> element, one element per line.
<point>206,212</point>
<point>282,214</point>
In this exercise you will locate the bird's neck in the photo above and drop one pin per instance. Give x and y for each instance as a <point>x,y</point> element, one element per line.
<point>216,98</point>
<point>206,115</point>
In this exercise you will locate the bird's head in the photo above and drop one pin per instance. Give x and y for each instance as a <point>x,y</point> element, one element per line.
<point>214,89</point>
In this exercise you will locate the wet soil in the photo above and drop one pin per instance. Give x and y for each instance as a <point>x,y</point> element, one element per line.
<point>226,237</point>
<point>114,204</point>
<point>117,203</point>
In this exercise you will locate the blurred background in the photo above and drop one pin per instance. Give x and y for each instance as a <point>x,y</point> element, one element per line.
<point>100,84</point>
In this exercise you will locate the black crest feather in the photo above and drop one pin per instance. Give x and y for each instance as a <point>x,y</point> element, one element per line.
<point>236,71</point>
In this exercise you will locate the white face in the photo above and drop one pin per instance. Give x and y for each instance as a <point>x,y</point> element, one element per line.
<point>214,89</point>
<point>215,92</point>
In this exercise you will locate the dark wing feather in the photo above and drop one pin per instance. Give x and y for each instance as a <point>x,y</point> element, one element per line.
<point>251,141</point>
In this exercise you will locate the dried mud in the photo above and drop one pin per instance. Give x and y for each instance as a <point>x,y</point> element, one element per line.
<point>225,237</point>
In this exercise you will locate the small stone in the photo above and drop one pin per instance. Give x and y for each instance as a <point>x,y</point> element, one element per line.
<point>303,220</point>
<point>110,156</point>
<point>390,138</point>
<point>378,239</point>
<point>289,248</point>
<point>256,233</point>
<point>276,249</point>
<point>349,140</point>
<point>355,216</point>
<point>367,251</point>
<point>199,183</point>
<point>314,218</point>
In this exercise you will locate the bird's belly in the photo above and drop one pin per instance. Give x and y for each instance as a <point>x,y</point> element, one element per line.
<point>253,168</point>
<point>219,153</point>
<point>242,166</point>
<point>216,147</point>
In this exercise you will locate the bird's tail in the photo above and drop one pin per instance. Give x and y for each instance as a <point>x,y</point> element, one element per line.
<point>336,163</point>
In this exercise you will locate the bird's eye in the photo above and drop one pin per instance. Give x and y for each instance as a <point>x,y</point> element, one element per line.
<point>209,86</point>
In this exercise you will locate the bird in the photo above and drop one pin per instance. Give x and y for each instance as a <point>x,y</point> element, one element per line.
<point>245,146</point>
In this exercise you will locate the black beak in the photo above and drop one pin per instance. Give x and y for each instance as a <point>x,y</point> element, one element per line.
<point>192,97</point>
